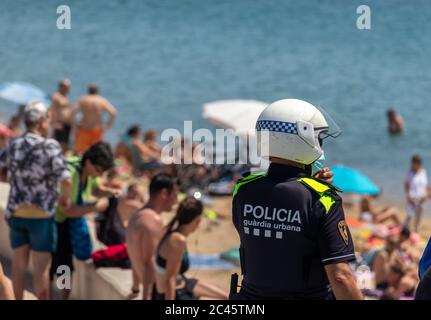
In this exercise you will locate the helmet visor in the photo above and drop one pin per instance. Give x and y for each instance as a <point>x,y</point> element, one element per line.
<point>333,130</point>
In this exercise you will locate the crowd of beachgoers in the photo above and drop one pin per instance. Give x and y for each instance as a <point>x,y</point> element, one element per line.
<point>129,186</point>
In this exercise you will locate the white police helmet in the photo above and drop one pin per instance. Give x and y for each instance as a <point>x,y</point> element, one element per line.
<point>293,129</point>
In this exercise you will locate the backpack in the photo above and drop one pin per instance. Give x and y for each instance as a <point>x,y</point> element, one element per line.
<point>80,238</point>
<point>109,227</point>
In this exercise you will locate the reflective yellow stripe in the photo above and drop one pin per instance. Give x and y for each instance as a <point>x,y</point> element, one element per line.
<point>321,189</point>
<point>315,185</point>
<point>327,202</point>
<point>246,180</point>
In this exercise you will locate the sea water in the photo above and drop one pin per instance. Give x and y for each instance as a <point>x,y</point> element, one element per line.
<point>158,61</point>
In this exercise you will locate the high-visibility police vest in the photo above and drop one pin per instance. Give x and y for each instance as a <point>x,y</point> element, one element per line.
<point>323,190</point>
<point>263,248</point>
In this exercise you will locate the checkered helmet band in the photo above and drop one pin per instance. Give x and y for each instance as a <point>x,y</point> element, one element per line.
<point>276,126</point>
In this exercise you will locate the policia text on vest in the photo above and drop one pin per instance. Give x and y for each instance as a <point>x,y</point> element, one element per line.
<point>290,227</point>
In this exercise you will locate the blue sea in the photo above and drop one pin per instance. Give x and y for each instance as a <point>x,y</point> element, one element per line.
<point>158,61</point>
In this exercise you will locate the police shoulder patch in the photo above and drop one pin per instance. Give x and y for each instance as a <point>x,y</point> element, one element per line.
<point>342,229</point>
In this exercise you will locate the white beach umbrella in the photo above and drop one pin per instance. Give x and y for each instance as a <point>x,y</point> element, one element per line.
<point>238,115</point>
<point>22,93</point>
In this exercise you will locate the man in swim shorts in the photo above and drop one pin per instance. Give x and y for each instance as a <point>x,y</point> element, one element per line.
<point>90,129</point>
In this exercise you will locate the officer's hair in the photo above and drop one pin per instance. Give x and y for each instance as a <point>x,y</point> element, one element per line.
<point>189,209</point>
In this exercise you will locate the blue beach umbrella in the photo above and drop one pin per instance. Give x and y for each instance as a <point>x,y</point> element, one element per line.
<point>22,93</point>
<point>351,180</point>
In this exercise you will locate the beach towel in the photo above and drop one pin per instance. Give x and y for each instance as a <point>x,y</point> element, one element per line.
<point>232,256</point>
<point>113,256</point>
<point>85,138</point>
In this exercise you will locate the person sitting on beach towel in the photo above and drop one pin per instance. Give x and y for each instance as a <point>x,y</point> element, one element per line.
<point>150,140</point>
<point>371,214</point>
<point>91,128</point>
<point>172,259</point>
<point>137,153</point>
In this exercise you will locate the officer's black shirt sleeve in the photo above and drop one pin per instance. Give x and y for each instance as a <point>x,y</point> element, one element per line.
<point>234,213</point>
<point>334,238</point>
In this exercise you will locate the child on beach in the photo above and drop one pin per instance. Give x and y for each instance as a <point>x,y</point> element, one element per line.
<point>416,188</point>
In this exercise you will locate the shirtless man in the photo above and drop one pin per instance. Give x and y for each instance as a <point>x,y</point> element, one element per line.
<point>145,230</point>
<point>60,114</point>
<point>90,128</point>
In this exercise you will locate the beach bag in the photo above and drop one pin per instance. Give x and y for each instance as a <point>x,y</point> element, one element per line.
<point>80,238</point>
<point>109,227</point>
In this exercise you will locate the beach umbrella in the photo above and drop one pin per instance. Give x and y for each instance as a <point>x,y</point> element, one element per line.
<point>22,93</point>
<point>238,115</point>
<point>351,180</point>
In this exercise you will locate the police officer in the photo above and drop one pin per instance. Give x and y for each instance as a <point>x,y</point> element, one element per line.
<point>295,243</point>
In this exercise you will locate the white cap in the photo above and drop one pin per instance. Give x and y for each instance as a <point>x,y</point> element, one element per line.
<point>35,111</point>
